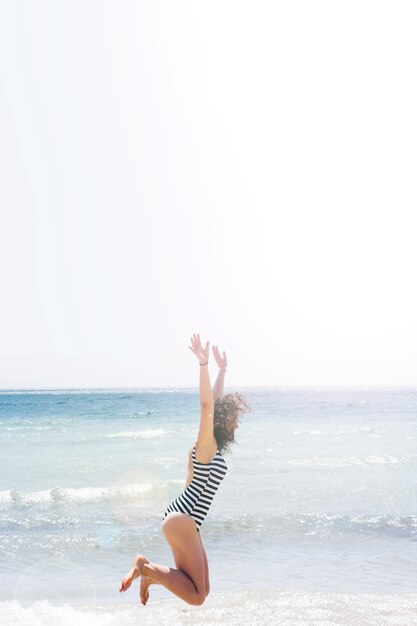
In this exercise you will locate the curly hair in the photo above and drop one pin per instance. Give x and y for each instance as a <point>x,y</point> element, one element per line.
<point>229,406</point>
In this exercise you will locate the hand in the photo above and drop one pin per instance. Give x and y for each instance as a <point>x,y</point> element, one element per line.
<point>201,353</point>
<point>221,362</point>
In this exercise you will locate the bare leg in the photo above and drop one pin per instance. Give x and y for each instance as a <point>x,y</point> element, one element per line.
<point>206,569</point>
<point>145,581</point>
<point>188,580</point>
<point>177,581</point>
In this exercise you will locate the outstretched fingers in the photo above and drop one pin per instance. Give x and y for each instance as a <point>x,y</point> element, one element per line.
<point>197,349</point>
<point>220,360</point>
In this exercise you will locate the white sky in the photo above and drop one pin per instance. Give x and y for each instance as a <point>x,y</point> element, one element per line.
<point>242,169</point>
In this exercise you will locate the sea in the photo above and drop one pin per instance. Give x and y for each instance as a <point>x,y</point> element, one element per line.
<point>314,524</point>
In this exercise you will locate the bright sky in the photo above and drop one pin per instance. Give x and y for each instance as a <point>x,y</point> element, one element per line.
<point>246,170</point>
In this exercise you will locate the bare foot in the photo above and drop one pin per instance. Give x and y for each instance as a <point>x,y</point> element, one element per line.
<point>145,581</point>
<point>136,571</point>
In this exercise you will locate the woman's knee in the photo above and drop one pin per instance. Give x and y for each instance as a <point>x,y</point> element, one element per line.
<point>199,599</point>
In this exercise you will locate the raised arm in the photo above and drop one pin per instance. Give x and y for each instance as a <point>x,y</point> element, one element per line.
<point>205,439</point>
<point>218,388</point>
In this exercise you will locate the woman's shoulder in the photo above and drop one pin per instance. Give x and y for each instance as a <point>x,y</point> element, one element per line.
<point>204,453</point>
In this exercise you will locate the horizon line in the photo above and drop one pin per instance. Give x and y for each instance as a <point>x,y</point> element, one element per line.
<point>195,387</point>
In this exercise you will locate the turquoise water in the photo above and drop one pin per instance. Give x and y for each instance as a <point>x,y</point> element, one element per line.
<point>320,496</point>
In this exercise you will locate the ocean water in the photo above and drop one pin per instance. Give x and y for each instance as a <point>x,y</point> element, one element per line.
<point>315,522</point>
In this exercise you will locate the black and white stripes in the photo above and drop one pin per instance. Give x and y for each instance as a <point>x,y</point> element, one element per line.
<point>195,500</point>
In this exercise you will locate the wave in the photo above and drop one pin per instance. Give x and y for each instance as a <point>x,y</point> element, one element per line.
<point>82,495</point>
<point>321,525</point>
<point>249,606</point>
<point>336,461</point>
<point>26,427</point>
<point>166,460</point>
<point>307,432</point>
<point>155,433</point>
<point>359,429</point>
<point>86,495</point>
<point>347,431</point>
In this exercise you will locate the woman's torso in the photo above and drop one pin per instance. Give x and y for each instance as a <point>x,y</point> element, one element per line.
<point>203,480</point>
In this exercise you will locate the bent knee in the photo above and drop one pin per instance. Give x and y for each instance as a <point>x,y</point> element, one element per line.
<point>199,599</point>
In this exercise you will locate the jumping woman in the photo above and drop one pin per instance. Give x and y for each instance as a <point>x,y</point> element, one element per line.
<point>206,469</point>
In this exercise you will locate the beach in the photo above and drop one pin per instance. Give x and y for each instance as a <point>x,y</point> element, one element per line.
<point>315,522</point>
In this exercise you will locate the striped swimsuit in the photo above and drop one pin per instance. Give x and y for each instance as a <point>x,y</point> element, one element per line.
<point>195,500</point>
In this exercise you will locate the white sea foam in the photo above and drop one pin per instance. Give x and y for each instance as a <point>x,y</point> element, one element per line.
<point>306,432</point>
<point>6,497</point>
<point>68,494</point>
<point>154,433</point>
<point>29,426</point>
<point>166,460</point>
<point>322,525</point>
<point>333,462</point>
<point>344,431</point>
<point>261,607</point>
<point>359,429</point>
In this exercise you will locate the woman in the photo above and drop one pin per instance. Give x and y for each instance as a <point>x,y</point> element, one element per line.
<point>206,469</point>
